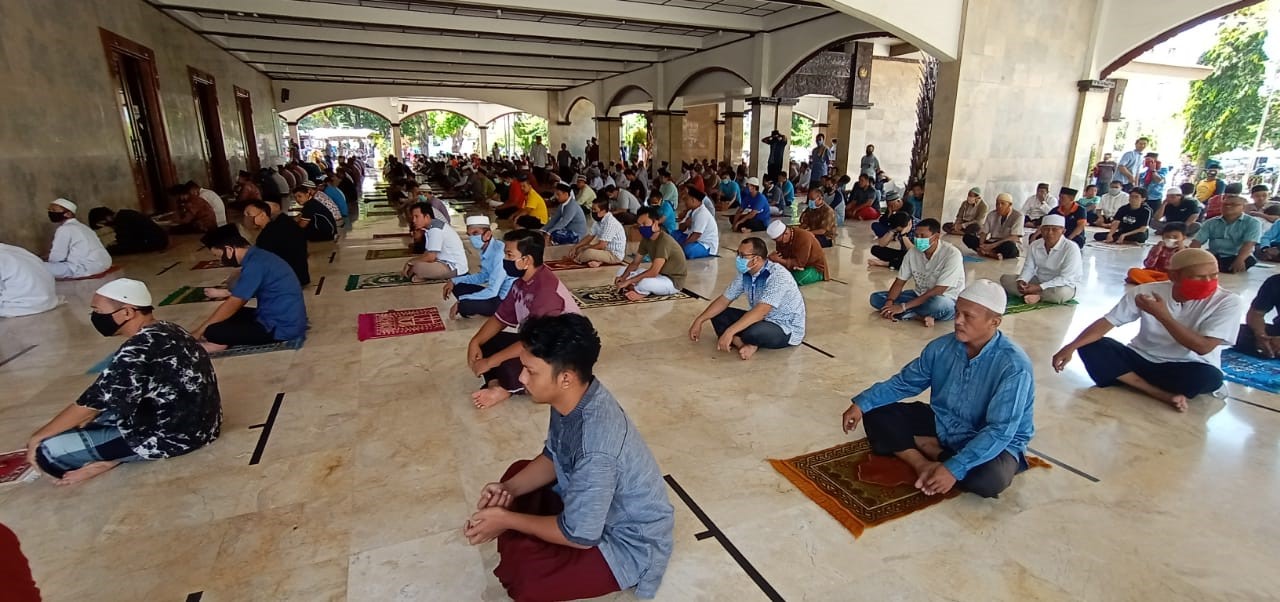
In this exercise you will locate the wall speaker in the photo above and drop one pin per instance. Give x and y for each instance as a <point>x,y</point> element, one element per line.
<point>404,109</point>
<point>284,95</point>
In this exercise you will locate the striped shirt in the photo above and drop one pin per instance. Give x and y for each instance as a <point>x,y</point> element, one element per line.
<point>610,231</point>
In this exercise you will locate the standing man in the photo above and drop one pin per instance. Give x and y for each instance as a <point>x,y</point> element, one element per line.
<point>869,165</point>
<point>1152,180</point>
<point>564,163</point>
<point>538,153</point>
<point>76,251</point>
<point>975,429</point>
<point>589,516</point>
<point>479,294</point>
<point>1104,172</point>
<point>1231,237</point>
<point>1053,268</point>
<point>1130,164</point>
<point>820,159</point>
<point>775,314</point>
<point>937,267</point>
<point>777,150</point>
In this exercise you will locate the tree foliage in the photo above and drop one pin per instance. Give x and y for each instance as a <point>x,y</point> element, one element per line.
<point>346,116</point>
<point>1223,109</point>
<point>801,131</point>
<point>526,127</point>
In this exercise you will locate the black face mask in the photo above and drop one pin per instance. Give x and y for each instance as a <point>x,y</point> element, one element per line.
<point>230,261</point>
<point>57,217</point>
<point>105,324</point>
<point>509,266</point>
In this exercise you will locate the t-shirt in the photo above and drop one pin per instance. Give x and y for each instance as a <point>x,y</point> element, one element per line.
<point>945,268</point>
<point>161,390</point>
<point>445,242</point>
<point>1217,316</point>
<point>284,238</point>
<point>267,278</point>
<point>669,217</point>
<point>1209,188</point>
<point>1268,299</point>
<point>1106,171</point>
<point>1133,219</point>
<point>321,226</point>
<point>625,202</point>
<point>215,202</point>
<point>1225,239</point>
<point>542,295</point>
<point>1073,218</point>
<point>338,199</point>
<point>729,190</point>
<point>805,250</point>
<point>1182,211</point>
<point>666,247</point>
<point>535,205</point>
<point>703,221</point>
<point>758,203</point>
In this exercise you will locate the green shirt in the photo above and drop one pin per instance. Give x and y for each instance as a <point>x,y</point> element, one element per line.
<point>666,247</point>
<point>1225,240</point>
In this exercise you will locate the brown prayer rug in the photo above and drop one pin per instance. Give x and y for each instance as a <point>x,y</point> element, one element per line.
<point>606,296</point>
<point>560,265</point>
<point>387,254</point>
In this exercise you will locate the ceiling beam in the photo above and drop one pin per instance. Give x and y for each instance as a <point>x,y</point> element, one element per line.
<point>458,78</point>
<point>630,11</point>
<point>345,13</point>
<point>382,38</point>
<point>336,49</point>
<point>308,60</point>
<point>361,83</point>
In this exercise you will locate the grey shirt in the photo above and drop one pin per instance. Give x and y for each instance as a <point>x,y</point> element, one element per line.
<point>614,495</point>
<point>569,216</point>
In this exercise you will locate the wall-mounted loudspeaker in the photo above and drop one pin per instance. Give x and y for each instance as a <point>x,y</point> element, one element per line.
<point>404,108</point>
<point>284,95</point>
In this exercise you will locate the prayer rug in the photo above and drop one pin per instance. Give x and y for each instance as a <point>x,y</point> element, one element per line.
<point>187,294</point>
<point>393,235</point>
<point>14,467</point>
<point>607,296</point>
<point>559,265</point>
<point>1255,372</point>
<point>973,259</point>
<point>255,349</point>
<point>1109,246</point>
<point>857,488</point>
<point>398,323</point>
<point>387,254</point>
<point>114,268</point>
<point>382,280</point>
<point>382,213</point>
<point>1015,305</point>
<point>208,264</point>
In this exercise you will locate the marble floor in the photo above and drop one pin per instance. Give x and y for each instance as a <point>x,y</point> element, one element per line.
<point>376,456</point>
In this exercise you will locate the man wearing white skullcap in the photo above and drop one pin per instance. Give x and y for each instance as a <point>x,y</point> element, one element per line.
<point>157,398</point>
<point>76,251</point>
<point>479,294</point>
<point>1181,325</point>
<point>26,287</point>
<point>799,251</point>
<point>975,430</point>
<point>1053,268</point>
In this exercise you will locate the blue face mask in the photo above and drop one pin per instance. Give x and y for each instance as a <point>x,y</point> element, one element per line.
<point>646,231</point>
<point>477,241</point>
<point>923,244</point>
<point>741,265</point>
<point>813,204</point>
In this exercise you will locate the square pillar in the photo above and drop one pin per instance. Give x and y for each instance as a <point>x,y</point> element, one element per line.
<point>731,144</point>
<point>668,139</point>
<point>395,140</point>
<point>483,151</point>
<point>768,114</point>
<point>608,135</point>
<point>558,133</point>
<point>1094,101</point>
<point>850,137</point>
<point>719,153</point>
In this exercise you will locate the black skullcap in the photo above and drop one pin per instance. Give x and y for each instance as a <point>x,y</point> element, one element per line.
<point>1069,191</point>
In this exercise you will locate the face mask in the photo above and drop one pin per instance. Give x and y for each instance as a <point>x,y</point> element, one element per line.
<point>741,264</point>
<point>1171,243</point>
<point>57,217</point>
<point>1196,289</point>
<point>477,240</point>
<point>230,261</point>
<point>725,180</point>
<point>422,198</point>
<point>813,204</point>
<point>509,266</point>
<point>923,244</point>
<point>646,231</point>
<point>105,324</point>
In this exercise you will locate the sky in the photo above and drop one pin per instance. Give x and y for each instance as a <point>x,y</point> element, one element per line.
<point>1187,46</point>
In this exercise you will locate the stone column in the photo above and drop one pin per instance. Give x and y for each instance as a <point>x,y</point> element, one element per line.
<point>731,147</point>
<point>609,135</point>
<point>1088,128</point>
<point>719,148</point>
<point>484,140</point>
<point>700,135</point>
<point>557,134</point>
<point>850,137</point>
<point>295,143</point>
<point>668,139</point>
<point>768,114</point>
<point>395,141</point>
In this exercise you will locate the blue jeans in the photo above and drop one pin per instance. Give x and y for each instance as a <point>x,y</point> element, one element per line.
<point>937,307</point>
<point>692,250</point>
<point>564,237</point>
<point>95,442</point>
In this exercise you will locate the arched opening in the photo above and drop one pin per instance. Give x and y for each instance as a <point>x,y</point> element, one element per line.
<point>435,131</point>
<point>331,131</point>
<point>512,134</point>
<point>568,112</point>
<point>711,83</point>
<point>629,98</point>
<point>1173,32</point>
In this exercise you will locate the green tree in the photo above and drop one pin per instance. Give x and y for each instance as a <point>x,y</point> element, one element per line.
<point>1223,110</point>
<point>801,131</point>
<point>448,126</point>
<point>525,128</point>
<point>346,116</point>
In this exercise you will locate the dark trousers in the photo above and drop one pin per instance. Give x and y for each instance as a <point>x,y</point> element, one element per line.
<point>824,240</point>
<point>507,373</point>
<point>891,255</point>
<point>761,334</point>
<point>1107,359</point>
<point>475,307</point>
<point>754,224</point>
<point>241,329</point>
<point>1139,238</point>
<point>893,428</point>
<point>1007,249</point>
<point>505,212</point>
<point>1248,344</point>
<point>1225,261</point>
<point>532,569</point>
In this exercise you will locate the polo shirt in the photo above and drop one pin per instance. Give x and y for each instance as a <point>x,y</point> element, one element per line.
<point>1225,240</point>
<point>669,214</point>
<point>1131,160</point>
<point>444,241</point>
<point>542,295</point>
<point>1079,215</point>
<point>267,278</point>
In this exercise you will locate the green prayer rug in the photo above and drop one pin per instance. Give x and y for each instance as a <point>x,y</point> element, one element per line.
<point>387,254</point>
<point>357,282</point>
<point>1014,305</point>
<point>187,294</point>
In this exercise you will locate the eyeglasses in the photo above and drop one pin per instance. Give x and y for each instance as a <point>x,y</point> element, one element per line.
<point>747,255</point>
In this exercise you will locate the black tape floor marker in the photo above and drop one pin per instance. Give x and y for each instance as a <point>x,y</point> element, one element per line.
<point>692,294</point>
<point>1252,403</point>
<point>266,430</point>
<point>17,355</point>
<point>806,344</point>
<point>1059,463</point>
<point>332,255</point>
<point>171,266</point>
<point>320,286</point>
<point>195,596</point>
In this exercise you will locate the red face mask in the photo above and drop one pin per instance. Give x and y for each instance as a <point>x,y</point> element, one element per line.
<point>1196,289</point>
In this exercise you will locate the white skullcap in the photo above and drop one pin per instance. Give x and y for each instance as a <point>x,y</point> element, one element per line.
<point>776,229</point>
<point>65,204</point>
<point>478,220</point>
<point>1054,219</point>
<point>127,291</point>
<point>753,182</point>
<point>987,294</point>
<point>308,184</point>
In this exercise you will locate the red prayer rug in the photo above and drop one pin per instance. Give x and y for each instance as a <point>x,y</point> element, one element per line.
<point>398,323</point>
<point>14,467</point>
<point>208,264</point>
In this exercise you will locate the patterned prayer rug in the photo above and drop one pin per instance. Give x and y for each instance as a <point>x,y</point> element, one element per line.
<point>560,265</point>
<point>187,294</point>
<point>382,213</point>
<point>857,488</point>
<point>382,280</point>
<point>387,254</point>
<point>1014,305</point>
<point>973,259</point>
<point>229,352</point>
<point>208,264</point>
<point>398,323</point>
<point>606,296</point>
<point>114,268</point>
<point>1251,371</point>
<point>393,235</point>
<point>14,467</point>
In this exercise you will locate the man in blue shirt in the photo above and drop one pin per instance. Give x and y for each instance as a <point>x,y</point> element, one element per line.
<point>479,294</point>
<point>1130,164</point>
<point>339,199</point>
<point>775,314</point>
<point>820,159</point>
<point>753,213</point>
<point>667,212</point>
<point>1231,237</point>
<point>568,224</point>
<point>590,515</point>
<point>788,193</point>
<point>975,430</point>
<point>280,315</point>
<point>730,192</point>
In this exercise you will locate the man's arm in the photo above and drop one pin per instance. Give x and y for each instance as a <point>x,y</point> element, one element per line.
<point>912,380</point>
<point>895,289</point>
<point>225,310</point>
<point>1004,414</point>
<point>1069,275</point>
<point>1185,335</point>
<point>1092,334</point>
<point>535,475</point>
<point>929,294</point>
<point>72,416</point>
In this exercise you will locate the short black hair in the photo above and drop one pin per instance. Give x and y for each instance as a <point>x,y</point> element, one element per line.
<point>1138,190</point>
<point>900,219</point>
<point>97,215</point>
<point>649,212</point>
<point>601,202</point>
<point>568,342</point>
<point>1187,188</point>
<point>1174,227</point>
<point>528,242</point>
<point>655,194</point>
<point>260,205</point>
<point>1088,186</point>
<point>1043,185</point>
<point>1259,188</point>
<point>931,224</point>
<point>757,246</point>
<point>424,209</point>
<point>301,189</point>
<point>224,236</point>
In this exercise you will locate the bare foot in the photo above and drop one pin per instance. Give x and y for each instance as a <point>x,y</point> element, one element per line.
<point>86,472</point>
<point>1179,402</point>
<point>746,351</point>
<point>216,293</point>
<point>453,312</point>
<point>876,263</point>
<point>594,264</point>
<point>631,295</point>
<point>212,347</point>
<point>489,397</point>
<point>1031,299</point>
<point>999,257</point>
<point>927,321</point>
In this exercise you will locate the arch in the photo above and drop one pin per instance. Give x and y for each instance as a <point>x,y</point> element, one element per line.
<point>569,108</point>
<point>629,94</point>
<point>430,110</point>
<point>343,104</point>
<point>1169,33</point>
<point>714,79</point>
<point>804,115</point>
<point>814,49</point>
<point>495,119</point>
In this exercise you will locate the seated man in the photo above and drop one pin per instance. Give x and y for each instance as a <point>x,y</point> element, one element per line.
<point>1090,201</point>
<point>622,204</point>
<point>1130,223</point>
<point>864,200</point>
<point>893,203</point>
<point>1179,208</point>
<point>1037,206</point>
<point>937,267</point>
<point>533,213</point>
<point>1260,197</point>
<point>753,212</point>
<point>26,286</point>
<point>313,217</point>
<point>799,252</point>
<point>819,218</point>
<point>1268,247</point>
<point>1257,337</point>
<point>198,209</point>
<point>1181,324</point>
<point>157,398</point>
<point>1231,237</point>
<point>1053,268</point>
<point>589,515</point>
<point>479,294</point>
<point>329,203</point>
<point>1073,217</point>
<point>1110,202</point>
<point>667,269</point>
<point>582,193</point>
<point>775,314</point>
<point>135,232</point>
<point>493,354</point>
<point>975,429</point>
<point>279,235</point>
<point>892,246</point>
<point>280,315</point>
<point>568,223</point>
<point>442,256</point>
<point>701,237</point>
<point>607,243</point>
<point>666,214</point>
<point>1000,233</point>
<point>514,200</point>
<point>76,251</point>
<point>245,189</point>
<point>417,195</point>
<point>1155,268</point>
<point>970,216</point>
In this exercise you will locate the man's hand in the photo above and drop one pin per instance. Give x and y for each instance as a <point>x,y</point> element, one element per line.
<point>892,309</point>
<point>448,289</point>
<point>935,479</point>
<point>725,343</point>
<point>695,331</point>
<point>1022,286</point>
<point>1032,289</point>
<point>775,257</point>
<point>851,417</point>
<point>1238,266</point>
<point>1270,346</point>
<point>486,525</point>
<point>1153,304</point>
<point>408,269</point>
<point>214,292</point>
<point>495,495</point>
<point>482,365</point>
<point>473,354</point>
<point>32,444</point>
<point>1061,358</point>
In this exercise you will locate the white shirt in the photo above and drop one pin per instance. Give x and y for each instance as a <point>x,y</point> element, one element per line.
<point>1035,208</point>
<point>26,287</point>
<point>1217,317</point>
<point>945,268</point>
<point>77,246</point>
<point>703,222</point>
<point>1109,203</point>
<point>1059,266</point>
<point>215,201</point>
<point>538,154</point>
<point>445,242</point>
<point>611,232</point>
<point>625,200</point>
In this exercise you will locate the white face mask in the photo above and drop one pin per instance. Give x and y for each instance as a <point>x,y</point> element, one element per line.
<point>1171,243</point>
